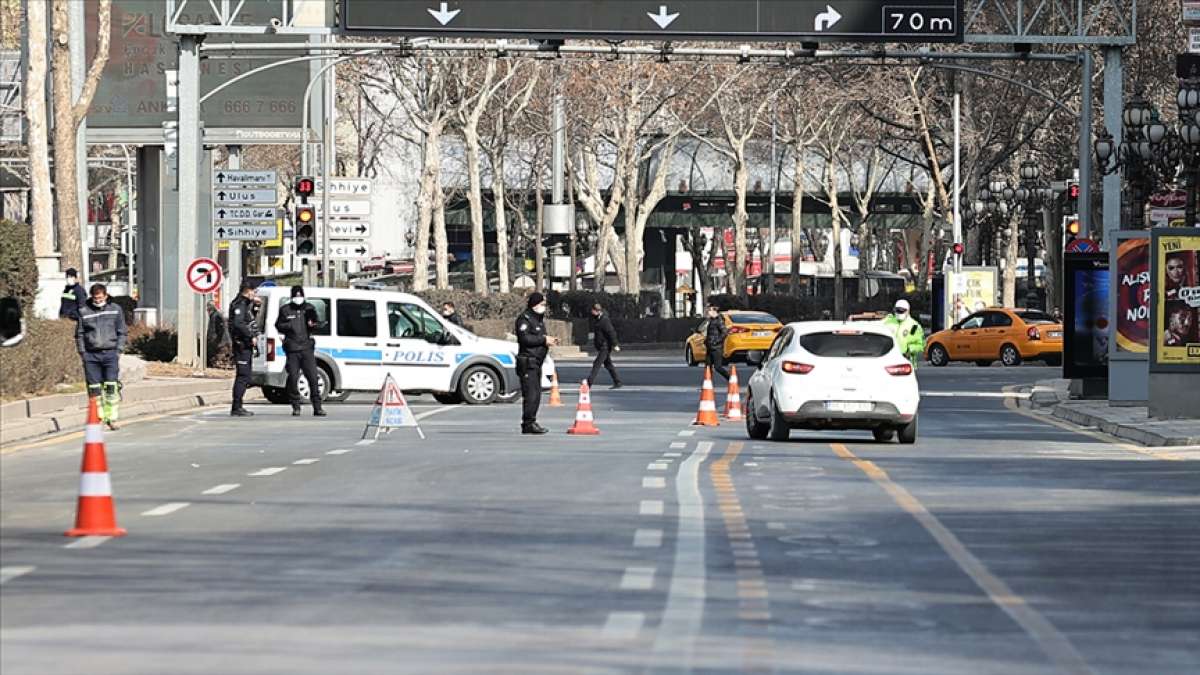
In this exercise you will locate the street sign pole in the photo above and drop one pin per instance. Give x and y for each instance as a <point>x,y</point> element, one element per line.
<point>233,279</point>
<point>327,160</point>
<point>186,320</point>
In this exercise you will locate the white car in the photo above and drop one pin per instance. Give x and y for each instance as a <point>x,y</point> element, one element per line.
<point>832,375</point>
<point>364,335</point>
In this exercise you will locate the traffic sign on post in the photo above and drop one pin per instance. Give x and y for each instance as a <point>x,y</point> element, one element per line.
<point>349,250</point>
<point>245,214</point>
<point>349,229</point>
<point>245,232</point>
<point>240,196</point>
<point>245,178</point>
<point>808,20</point>
<point>203,275</point>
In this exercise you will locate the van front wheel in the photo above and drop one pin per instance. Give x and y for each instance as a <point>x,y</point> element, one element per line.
<point>479,385</point>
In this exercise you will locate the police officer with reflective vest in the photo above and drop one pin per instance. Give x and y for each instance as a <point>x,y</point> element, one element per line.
<point>100,335</point>
<point>909,336</point>
<point>533,345</point>
<point>72,297</point>
<point>243,329</point>
<point>295,321</point>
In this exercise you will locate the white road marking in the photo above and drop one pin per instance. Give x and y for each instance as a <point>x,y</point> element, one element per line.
<point>87,542</point>
<point>750,464</point>
<point>776,526</point>
<point>672,454</point>
<point>646,538</point>
<point>974,394</point>
<point>341,451</point>
<point>269,471</point>
<point>366,441</point>
<point>10,572</point>
<point>637,579</point>
<point>688,432</point>
<point>657,466</point>
<point>651,507</point>
<point>166,509</point>
<point>684,612</point>
<point>623,625</point>
<point>654,482</point>
<point>221,489</point>
<point>306,461</point>
<point>678,445</point>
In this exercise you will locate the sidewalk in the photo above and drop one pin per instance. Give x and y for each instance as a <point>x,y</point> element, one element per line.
<point>32,418</point>
<point>1127,423</point>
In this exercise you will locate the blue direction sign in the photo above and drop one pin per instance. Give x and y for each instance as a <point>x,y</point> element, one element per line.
<point>807,20</point>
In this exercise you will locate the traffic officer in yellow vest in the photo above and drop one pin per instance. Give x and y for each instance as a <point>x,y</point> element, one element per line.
<point>909,336</point>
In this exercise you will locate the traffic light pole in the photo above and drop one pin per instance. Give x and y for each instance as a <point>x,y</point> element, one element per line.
<point>327,141</point>
<point>187,325</point>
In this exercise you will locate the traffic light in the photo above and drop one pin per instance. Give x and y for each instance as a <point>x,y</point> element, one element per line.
<point>958,248</point>
<point>1072,228</point>
<point>305,186</point>
<point>1072,196</point>
<point>306,230</point>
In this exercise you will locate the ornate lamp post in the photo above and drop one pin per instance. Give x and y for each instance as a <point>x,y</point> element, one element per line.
<point>1029,197</point>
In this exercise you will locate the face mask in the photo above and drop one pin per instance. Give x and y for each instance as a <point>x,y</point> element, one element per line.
<point>99,303</point>
<point>446,312</point>
<point>539,310</point>
<point>71,281</point>
<point>298,300</point>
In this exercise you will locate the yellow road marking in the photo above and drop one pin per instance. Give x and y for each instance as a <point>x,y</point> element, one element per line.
<point>1012,404</point>
<point>1053,643</point>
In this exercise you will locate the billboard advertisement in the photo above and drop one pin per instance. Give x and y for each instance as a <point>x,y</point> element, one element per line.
<point>970,290</point>
<point>1085,319</point>
<point>1132,281</point>
<point>1175,273</point>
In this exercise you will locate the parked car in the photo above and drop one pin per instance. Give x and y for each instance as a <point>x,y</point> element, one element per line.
<point>832,375</point>
<point>999,333</point>
<point>363,335</point>
<point>748,331</point>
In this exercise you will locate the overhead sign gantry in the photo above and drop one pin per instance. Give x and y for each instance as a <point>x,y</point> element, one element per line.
<point>799,20</point>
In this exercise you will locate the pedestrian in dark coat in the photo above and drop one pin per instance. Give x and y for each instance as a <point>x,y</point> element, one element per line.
<point>604,339</point>
<point>714,342</point>
<point>100,335</point>
<point>72,297</point>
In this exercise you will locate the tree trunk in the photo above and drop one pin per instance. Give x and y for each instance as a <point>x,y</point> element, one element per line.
<point>797,234</point>
<point>835,216</point>
<point>539,255</point>
<point>741,182</point>
<point>42,203</point>
<point>1011,252</point>
<point>633,242</point>
<point>475,199</point>
<point>441,248</point>
<point>501,216</point>
<point>431,167</point>
<point>1053,238</point>
<point>66,197</point>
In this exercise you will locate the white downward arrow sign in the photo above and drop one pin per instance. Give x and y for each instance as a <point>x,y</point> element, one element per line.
<point>444,15</point>
<point>662,18</point>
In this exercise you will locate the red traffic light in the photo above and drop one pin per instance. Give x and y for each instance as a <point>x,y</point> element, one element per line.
<point>1073,190</point>
<point>305,186</point>
<point>958,249</point>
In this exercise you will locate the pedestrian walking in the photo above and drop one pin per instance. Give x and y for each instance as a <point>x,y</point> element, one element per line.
<point>100,335</point>
<point>243,329</point>
<point>909,336</point>
<point>604,339</point>
<point>532,346</point>
<point>714,342</point>
<point>72,297</point>
<point>450,314</point>
<point>295,321</point>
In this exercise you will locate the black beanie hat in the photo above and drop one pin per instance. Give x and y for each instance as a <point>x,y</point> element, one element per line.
<point>535,299</point>
<point>297,291</point>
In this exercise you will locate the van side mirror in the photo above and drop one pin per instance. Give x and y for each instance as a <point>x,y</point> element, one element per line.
<point>755,358</point>
<point>12,327</point>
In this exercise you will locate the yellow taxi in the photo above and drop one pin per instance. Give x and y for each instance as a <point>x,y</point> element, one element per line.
<point>747,331</point>
<point>998,333</point>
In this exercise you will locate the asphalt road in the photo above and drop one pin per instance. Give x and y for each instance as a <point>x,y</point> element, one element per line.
<point>999,543</point>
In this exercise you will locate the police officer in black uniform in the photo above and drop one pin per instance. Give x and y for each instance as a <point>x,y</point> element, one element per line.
<point>533,345</point>
<point>714,342</point>
<point>242,331</point>
<point>72,297</point>
<point>295,321</point>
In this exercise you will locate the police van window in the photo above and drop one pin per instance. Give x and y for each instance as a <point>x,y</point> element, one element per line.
<point>356,318</point>
<point>426,322</point>
<point>322,307</point>
<point>400,324</point>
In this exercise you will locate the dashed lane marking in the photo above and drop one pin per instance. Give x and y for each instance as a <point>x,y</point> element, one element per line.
<point>776,525</point>
<point>269,471</point>
<point>688,432</point>
<point>637,579</point>
<point>309,460</point>
<point>647,538</point>
<point>340,451</point>
<point>974,394</point>
<point>651,507</point>
<point>1053,643</point>
<point>673,454</point>
<point>87,542</point>
<point>654,482</point>
<point>221,489</point>
<point>623,625</point>
<point>678,445</point>
<point>684,613</point>
<point>166,509</point>
<point>10,572</point>
<point>750,464</point>
<point>657,466</point>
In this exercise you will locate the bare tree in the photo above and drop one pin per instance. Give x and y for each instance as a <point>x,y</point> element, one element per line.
<point>69,113</point>
<point>39,149</point>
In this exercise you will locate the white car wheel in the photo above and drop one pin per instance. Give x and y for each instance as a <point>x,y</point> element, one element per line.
<point>778,430</point>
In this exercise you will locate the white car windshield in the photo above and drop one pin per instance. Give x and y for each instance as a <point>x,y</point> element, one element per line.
<point>847,345</point>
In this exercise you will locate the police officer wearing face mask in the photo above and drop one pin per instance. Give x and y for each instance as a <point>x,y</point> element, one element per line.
<point>242,330</point>
<point>533,345</point>
<point>295,321</point>
<point>450,314</point>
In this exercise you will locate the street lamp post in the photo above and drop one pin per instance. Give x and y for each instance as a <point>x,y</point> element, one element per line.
<point>1030,196</point>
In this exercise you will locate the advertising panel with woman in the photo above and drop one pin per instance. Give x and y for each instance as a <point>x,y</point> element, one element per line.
<point>1175,343</point>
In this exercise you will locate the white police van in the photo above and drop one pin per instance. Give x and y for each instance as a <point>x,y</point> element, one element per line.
<point>363,335</point>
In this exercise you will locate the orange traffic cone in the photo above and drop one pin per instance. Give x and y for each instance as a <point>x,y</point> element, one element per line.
<point>583,414</point>
<point>95,515</point>
<point>707,416</point>
<point>733,398</point>
<point>555,397</point>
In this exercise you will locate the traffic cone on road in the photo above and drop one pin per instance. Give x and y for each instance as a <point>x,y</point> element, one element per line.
<point>707,416</point>
<point>584,422</point>
<point>95,515</point>
<point>555,397</point>
<point>733,397</point>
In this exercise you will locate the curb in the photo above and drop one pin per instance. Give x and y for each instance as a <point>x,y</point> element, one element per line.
<point>1126,432</point>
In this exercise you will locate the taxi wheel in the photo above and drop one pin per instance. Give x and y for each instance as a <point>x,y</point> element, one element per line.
<point>938,356</point>
<point>479,385</point>
<point>690,357</point>
<point>1009,356</point>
